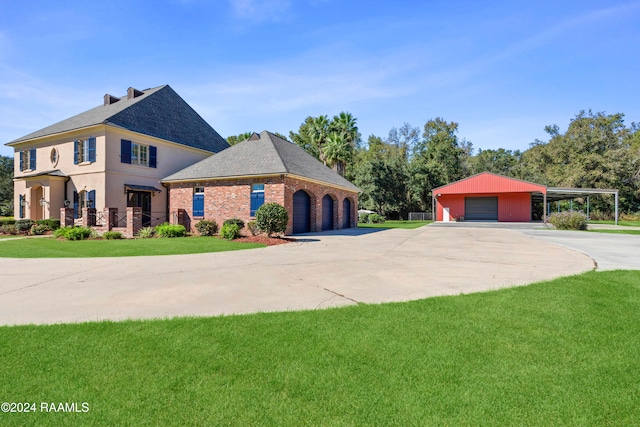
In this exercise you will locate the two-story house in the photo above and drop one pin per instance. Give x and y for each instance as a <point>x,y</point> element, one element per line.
<point>113,155</point>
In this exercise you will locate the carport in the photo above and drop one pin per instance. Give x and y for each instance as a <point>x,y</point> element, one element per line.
<point>492,197</point>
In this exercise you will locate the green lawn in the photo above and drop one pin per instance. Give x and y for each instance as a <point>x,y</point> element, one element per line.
<point>52,248</point>
<point>615,231</point>
<point>396,224</point>
<point>555,353</point>
<point>625,223</point>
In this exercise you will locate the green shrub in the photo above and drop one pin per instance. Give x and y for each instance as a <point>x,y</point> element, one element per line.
<point>73,233</point>
<point>363,217</point>
<point>237,221</point>
<point>24,225</point>
<point>272,218</point>
<point>207,228</point>
<point>38,229</point>
<point>112,235</point>
<point>569,220</point>
<point>146,233</point>
<point>171,230</point>
<point>230,231</point>
<point>8,229</point>
<point>374,218</point>
<point>7,220</point>
<point>51,223</point>
<point>252,226</point>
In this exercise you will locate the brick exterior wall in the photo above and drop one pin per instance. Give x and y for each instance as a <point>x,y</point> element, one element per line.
<point>231,198</point>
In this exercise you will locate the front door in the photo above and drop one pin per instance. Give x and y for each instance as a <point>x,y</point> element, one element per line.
<point>141,199</point>
<point>445,214</point>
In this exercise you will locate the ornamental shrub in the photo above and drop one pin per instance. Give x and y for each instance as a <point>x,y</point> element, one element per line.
<point>230,231</point>
<point>112,235</point>
<point>207,228</point>
<point>24,225</point>
<point>363,217</point>
<point>171,230</point>
<point>237,221</point>
<point>8,220</point>
<point>38,229</point>
<point>252,226</point>
<point>73,233</point>
<point>51,223</point>
<point>374,218</point>
<point>569,220</point>
<point>146,233</point>
<point>272,218</point>
<point>8,229</point>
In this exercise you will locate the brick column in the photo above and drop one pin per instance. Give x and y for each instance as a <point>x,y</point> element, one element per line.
<point>134,221</point>
<point>88,217</point>
<point>110,215</point>
<point>66,217</point>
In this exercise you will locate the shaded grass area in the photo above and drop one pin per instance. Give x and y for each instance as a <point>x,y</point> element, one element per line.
<point>555,353</point>
<point>625,223</point>
<point>396,224</point>
<point>48,247</point>
<point>623,231</point>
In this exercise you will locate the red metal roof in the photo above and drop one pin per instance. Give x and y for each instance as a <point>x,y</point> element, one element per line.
<point>487,182</point>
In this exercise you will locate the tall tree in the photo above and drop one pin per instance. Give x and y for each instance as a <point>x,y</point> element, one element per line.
<point>498,161</point>
<point>234,139</point>
<point>440,150</point>
<point>6,186</point>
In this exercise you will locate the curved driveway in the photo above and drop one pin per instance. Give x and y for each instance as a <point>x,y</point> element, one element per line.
<point>324,270</point>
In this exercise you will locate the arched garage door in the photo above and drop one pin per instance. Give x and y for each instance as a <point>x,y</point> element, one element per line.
<point>327,213</point>
<point>346,213</point>
<point>301,212</point>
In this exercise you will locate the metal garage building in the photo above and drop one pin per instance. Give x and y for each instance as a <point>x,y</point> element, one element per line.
<point>492,197</point>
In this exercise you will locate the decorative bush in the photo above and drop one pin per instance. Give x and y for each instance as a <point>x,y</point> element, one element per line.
<point>8,229</point>
<point>9,220</point>
<point>252,226</point>
<point>112,235</point>
<point>363,217</point>
<point>171,230</point>
<point>374,218</point>
<point>146,233</point>
<point>38,229</point>
<point>24,225</point>
<point>73,233</point>
<point>237,221</point>
<point>569,220</point>
<point>230,231</point>
<point>51,223</point>
<point>206,227</point>
<point>272,218</point>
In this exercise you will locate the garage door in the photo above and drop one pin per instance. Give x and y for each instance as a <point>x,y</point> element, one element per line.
<point>346,213</point>
<point>301,212</point>
<point>327,213</point>
<point>481,208</point>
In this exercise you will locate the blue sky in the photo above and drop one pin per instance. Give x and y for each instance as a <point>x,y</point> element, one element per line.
<point>502,69</point>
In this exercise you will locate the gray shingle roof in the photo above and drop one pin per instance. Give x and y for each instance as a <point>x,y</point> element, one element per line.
<point>158,112</point>
<point>268,155</point>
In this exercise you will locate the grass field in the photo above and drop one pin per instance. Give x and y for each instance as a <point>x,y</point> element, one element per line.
<point>563,352</point>
<point>396,224</point>
<point>625,223</point>
<point>623,231</point>
<point>47,247</point>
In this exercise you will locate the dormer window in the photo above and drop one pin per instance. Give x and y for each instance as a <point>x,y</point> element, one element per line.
<point>84,151</point>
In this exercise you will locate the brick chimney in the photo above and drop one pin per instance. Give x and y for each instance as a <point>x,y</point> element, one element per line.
<point>110,99</point>
<point>133,93</point>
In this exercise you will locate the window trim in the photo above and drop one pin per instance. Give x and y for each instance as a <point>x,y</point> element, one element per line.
<point>256,189</point>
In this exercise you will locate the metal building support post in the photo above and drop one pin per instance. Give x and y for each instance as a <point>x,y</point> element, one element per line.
<point>616,207</point>
<point>544,208</point>
<point>587,208</point>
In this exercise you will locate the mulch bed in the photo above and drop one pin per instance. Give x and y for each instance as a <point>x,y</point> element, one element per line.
<point>269,241</point>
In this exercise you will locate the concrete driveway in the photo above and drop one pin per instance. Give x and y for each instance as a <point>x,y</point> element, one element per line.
<point>324,270</point>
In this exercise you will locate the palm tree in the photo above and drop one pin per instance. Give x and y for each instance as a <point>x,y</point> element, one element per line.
<point>317,133</point>
<point>337,152</point>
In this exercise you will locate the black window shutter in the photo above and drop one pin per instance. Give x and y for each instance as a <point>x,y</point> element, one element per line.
<point>75,204</point>
<point>153,155</point>
<point>22,197</point>
<point>92,149</point>
<point>32,159</point>
<point>92,199</point>
<point>125,151</point>
<point>22,160</point>
<point>75,152</point>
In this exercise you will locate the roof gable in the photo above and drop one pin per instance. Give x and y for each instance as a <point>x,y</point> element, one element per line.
<point>488,182</point>
<point>159,112</point>
<point>261,154</point>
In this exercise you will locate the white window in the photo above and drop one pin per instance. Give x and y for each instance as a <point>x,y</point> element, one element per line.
<point>139,154</point>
